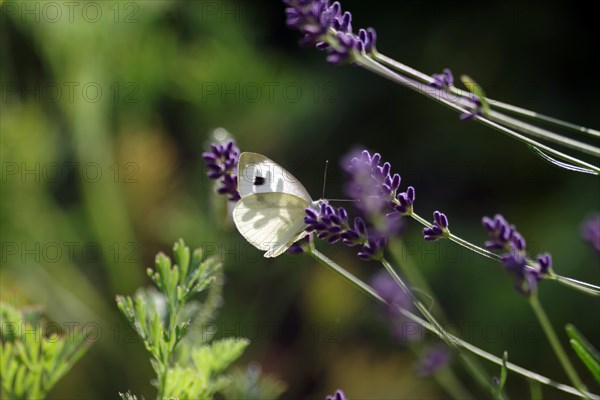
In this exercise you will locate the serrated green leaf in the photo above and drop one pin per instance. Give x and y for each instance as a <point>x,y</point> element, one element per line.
<point>184,383</point>
<point>33,364</point>
<point>164,317</point>
<point>216,357</point>
<point>251,383</point>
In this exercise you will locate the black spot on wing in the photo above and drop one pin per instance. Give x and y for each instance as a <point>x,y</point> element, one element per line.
<point>259,181</point>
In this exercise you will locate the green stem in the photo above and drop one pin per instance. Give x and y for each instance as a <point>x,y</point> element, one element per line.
<point>532,114</point>
<point>473,349</point>
<point>169,349</point>
<point>499,361</point>
<point>461,106</point>
<point>555,343</point>
<point>464,243</point>
<point>411,72</point>
<point>543,133</point>
<point>446,378</point>
<point>413,275</point>
<point>583,287</point>
<point>453,386</point>
<point>475,371</point>
<point>348,277</point>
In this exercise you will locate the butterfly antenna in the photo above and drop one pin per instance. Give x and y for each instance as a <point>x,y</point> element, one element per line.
<point>325,178</point>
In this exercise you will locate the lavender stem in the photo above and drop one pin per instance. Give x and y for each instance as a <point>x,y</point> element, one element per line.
<point>473,349</point>
<point>555,343</point>
<point>440,95</point>
<point>390,62</point>
<point>583,287</point>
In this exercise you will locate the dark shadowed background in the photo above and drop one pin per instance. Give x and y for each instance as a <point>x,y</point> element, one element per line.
<point>106,107</point>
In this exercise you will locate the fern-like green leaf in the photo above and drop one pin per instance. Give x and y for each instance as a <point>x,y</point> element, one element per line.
<point>252,384</point>
<point>32,363</point>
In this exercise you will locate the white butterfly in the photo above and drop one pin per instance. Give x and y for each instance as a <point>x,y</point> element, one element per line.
<point>270,213</point>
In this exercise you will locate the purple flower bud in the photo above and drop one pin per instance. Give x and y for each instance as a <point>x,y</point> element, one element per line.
<point>338,395</point>
<point>323,235</point>
<point>334,239</point>
<point>371,41</point>
<point>334,229</point>
<point>505,237</point>
<point>518,241</point>
<point>488,223</point>
<point>221,162</point>
<point>445,80</point>
<point>331,224</point>
<point>545,262</point>
<point>343,214</point>
<point>298,247</point>
<point>439,229</point>
<point>350,235</point>
<point>312,214</point>
<point>359,226</point>
<point>493,245</point>
<point>410,194</point>
<point>396,182</point>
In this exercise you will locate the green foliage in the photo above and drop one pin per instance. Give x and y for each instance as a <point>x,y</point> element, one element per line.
<point>184,368</point>
<point>32,362</point>
<point>535,389</point>
<point>204,376</point>
<point>251,384</point>
<point>586,352</point>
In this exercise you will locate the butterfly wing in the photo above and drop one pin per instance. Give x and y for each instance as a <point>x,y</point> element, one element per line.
<point>271,222</point>
<point>259,174</point>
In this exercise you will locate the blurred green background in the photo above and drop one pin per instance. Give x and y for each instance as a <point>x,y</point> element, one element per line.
<point>106,107</point>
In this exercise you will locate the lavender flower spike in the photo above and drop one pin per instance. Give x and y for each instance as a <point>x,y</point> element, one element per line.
<point>376,189</point>
<point>397,300</point>
<point>590,232</point>
<point>329,28</point>
<point>505,238</point>
<point>332,225</point>
<point>439,230</point>
<point>221,163</point>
